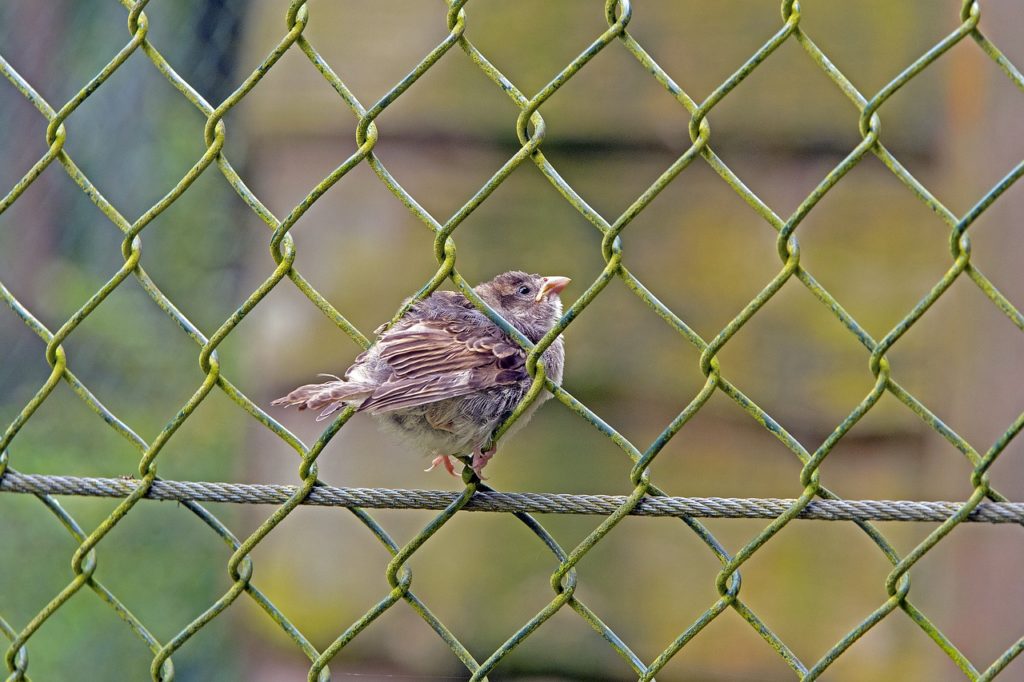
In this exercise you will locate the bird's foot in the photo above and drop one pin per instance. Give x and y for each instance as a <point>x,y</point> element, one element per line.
<point>480,459</point>
<point>445,461</point>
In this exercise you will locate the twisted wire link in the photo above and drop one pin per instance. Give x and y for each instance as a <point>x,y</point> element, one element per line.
<point>609,245</point>
<point>282,250</point>
<point>789,249</point>
<point>815,500</point>
<point>785,251</point>
<point>618,15</point>
<point>445,252</point>
<point>896,584</point>
<point>697,129</point>
<point>493,501</point>
<point>83,560</point>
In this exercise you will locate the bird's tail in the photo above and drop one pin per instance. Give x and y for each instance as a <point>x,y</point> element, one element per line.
<point>329,396</point>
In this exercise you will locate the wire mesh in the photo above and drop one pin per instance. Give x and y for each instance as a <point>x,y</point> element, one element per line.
<point>531,131</point>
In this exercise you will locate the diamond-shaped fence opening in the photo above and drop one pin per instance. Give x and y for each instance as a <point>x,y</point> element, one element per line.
<point>196,270</point>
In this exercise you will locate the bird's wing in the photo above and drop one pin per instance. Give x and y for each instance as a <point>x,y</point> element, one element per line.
<point>433,360</point>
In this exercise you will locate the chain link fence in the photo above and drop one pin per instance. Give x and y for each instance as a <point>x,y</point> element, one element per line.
<point>984,504</point>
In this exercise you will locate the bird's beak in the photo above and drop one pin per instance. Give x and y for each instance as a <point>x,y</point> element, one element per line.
<point>552,285</point>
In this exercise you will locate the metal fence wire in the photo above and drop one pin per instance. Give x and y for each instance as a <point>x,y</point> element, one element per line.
<point>984,504</point>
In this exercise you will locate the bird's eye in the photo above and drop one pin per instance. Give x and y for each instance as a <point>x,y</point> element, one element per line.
<point>524,290</point>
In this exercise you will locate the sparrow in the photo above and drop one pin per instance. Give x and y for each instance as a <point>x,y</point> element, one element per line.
<point>444,376</point>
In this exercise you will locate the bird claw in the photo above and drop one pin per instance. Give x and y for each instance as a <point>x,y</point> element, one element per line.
<point>445,461</point>
<point>480,459</point>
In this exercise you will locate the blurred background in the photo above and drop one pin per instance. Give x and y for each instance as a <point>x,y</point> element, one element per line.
<point>958,127</point>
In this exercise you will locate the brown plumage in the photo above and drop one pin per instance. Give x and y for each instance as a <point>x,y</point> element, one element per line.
<point>445,376</point>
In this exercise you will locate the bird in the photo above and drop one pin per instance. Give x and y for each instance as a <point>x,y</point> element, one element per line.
<point>444,376</point>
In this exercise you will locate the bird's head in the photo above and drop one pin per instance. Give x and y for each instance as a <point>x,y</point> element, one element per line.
<point>529,302</point>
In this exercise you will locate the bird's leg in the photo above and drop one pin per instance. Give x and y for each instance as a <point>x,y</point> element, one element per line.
<point>480,459</point>
<point>444,460</point>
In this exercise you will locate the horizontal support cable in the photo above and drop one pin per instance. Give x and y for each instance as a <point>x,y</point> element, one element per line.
<point>543,503</point>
